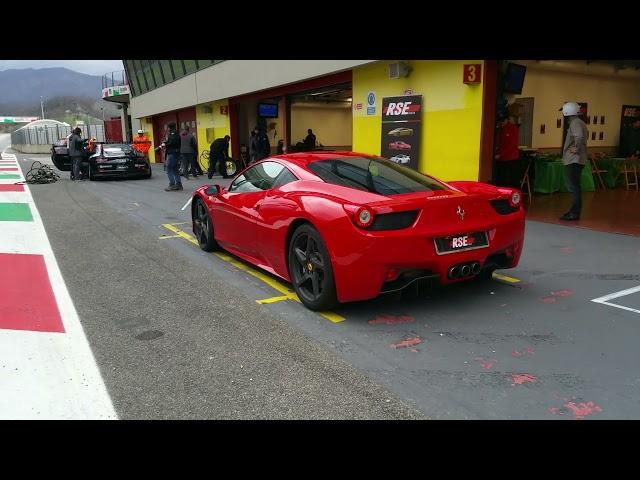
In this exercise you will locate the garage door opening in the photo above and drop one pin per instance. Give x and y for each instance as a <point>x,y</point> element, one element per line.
<point>327,112</point>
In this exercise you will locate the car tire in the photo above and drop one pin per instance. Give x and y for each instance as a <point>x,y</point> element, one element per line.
<point>148,175</point>
<point>310,269</point>
<point>486,274</point>
<point>203,226</point>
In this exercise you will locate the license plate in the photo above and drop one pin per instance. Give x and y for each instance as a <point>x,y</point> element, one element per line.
<point>122,167</point>
<point>457,243</point>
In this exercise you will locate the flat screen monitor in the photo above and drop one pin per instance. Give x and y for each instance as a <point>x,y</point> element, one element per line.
<point>268,110</point>
<point>514,78</point>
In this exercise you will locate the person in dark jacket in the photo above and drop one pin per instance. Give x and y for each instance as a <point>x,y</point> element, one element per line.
<point>253,146</point>
<point>76,152</point>
<point>310,141</point>
<point>263,147</point>
<point>188,150</point>
<point>218,154</point>
<point>172,145</point>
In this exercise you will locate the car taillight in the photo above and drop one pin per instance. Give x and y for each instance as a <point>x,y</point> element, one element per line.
<point>515,199</point>
<point>363,217</point>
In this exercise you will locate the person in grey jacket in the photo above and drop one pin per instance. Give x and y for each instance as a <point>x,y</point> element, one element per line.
<point>188,150</point>
<point>574,157</point>
<point>76,152</point>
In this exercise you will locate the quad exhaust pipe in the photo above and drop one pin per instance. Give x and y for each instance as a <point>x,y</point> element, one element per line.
<point>475,268</point>
<point>454,272</point>
<point>465,270</point>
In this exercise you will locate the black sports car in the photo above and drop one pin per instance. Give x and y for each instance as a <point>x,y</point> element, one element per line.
<point>60,155</point>
<point>108,160</point>
<point>118,160</point>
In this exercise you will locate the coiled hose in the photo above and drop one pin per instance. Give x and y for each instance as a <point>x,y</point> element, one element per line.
<point>40,173</point>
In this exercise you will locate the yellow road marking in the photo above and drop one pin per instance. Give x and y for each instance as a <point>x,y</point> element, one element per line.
<point>287,293</point>
<point>505,278</point>
<point>163,237</point>
<point>273,299</point>
<point>180,233</point>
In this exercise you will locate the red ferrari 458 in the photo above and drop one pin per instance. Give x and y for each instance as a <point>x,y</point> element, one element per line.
<point>344,226</point>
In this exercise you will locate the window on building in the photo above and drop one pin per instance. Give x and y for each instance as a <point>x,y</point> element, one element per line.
<point>178,68</point>
<point>132,77</point>
<point>189,66</point>
<point>204,63</point>
<point>157,72</point>
<point>148,73</point>
<point>142,80</point>
<point>166,70</point>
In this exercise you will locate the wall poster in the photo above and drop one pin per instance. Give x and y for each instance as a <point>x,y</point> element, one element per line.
<point>401,129</point>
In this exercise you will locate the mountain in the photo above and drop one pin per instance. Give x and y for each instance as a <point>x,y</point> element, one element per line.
<point>67,95</point>
<point>24,86</point>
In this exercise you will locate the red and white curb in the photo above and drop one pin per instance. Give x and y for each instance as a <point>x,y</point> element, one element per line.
<point>47,368</point>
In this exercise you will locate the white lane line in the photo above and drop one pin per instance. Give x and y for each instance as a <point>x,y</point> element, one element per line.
<point>47,375</point>
<point>187,204</point>
<point>622,293</point>
<point>8,156</point>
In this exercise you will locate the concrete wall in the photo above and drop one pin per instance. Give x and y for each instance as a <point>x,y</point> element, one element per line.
<point>232,78</point>
<point>32,148</point>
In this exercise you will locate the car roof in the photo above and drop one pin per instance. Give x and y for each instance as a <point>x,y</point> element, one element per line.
<point>302,159</point>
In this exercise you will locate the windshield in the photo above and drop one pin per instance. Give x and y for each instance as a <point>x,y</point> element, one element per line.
<point>118,150</point>
<point>375,175</point>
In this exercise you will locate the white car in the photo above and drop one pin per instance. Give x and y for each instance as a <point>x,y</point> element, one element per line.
<point>401,159</point>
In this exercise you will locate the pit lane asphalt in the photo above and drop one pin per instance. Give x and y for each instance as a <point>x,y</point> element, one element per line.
<point>537,349</point>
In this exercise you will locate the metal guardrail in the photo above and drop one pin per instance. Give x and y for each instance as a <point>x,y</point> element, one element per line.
<point>114,79</point>
<point>41,135</point>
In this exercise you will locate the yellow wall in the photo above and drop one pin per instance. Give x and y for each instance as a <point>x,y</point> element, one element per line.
<point>331,126</point>
<point>147,126</point>
<point>214,119</point>
<point>604,96</point>
<point>451,117</point>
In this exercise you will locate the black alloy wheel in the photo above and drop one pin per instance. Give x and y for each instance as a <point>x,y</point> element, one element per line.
<point>310,269</point>
<point>203,227</point>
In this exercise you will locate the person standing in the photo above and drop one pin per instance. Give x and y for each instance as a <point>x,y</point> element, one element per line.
<point>219,154</point>
<point>76,152</point>
<point>310,141</point>
<point>508,154</point>
<point>172,149</point>
<point>188,150</point>
<point>574,157</point>
<point>141,143</point>
<point>263,147</point>
<point>253,146</point>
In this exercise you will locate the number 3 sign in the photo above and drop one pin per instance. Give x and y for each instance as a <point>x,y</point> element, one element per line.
<point>472,73</point>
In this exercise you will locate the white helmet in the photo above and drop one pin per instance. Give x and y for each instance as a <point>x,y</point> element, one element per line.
<point>570,109</point>
<point>140,131</point>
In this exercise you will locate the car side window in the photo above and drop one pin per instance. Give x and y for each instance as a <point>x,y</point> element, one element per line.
<point>285,177</point>
<point>259,177</point>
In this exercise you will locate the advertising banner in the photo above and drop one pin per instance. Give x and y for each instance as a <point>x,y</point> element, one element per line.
<point>628,135</point>
<point>401,129</point>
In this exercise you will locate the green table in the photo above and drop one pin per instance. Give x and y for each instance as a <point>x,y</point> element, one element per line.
<point>549,177</point>
<point>612,167</point>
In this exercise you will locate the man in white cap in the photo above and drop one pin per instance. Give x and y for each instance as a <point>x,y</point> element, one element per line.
<point>574,157</point>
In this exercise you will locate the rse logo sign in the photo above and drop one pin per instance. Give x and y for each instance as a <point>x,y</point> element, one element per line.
<point>401,108</point>
<point>461,242</point>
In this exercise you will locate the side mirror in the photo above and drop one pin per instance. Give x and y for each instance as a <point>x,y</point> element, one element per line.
<point>213,189</point>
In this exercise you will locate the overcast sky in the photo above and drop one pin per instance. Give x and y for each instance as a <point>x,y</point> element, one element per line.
<point>91,67</point>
